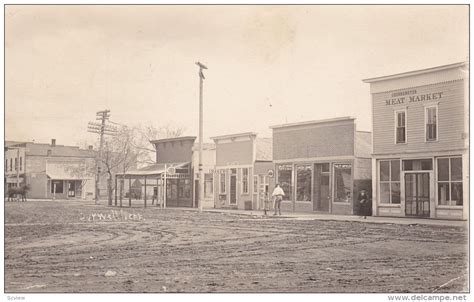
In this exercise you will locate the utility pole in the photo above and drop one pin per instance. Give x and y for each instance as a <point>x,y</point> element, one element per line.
<point>201,172</point>
<point>101,129</point>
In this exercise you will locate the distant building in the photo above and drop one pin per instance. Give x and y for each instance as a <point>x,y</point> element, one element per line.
<point>51,171</point>
<point>322,165</point>
<point>421,143</point>
<point>243,170</point>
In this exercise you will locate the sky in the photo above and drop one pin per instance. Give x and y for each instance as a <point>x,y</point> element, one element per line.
<point>267,65</point>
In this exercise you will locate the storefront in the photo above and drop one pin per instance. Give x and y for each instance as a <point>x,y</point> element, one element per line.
<point>322,165</point>
<point>243,171</point>
<point>420,157</point>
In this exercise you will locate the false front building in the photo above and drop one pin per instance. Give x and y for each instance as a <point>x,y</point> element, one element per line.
<point>420,143</point>
<point>322,165</point>
<point>243,171</point>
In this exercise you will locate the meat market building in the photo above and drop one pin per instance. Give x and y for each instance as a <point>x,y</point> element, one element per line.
<point>420,143</point>
<point>322,165</point>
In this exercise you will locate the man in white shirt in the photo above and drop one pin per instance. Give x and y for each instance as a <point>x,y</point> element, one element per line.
<point>277,195</point>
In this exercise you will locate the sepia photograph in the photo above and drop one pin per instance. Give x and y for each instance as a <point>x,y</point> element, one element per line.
<point>236,148</point>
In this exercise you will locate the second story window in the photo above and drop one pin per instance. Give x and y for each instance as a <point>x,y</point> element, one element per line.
<point>400,127</point>
<point>431,122</point>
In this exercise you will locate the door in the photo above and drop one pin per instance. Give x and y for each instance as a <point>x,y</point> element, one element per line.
<point>233,189</point>
<point>71,192</point>
<point>417,194</point>
<point>322,191</point>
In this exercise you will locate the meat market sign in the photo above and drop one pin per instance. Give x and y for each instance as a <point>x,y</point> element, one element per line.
<point>411,96</point>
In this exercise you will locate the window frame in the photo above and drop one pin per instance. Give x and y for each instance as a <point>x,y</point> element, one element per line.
<point>396,112</point>
<point>296,181</point>
<point>449,182</point>
<point>242,187</point>
<point>255,184</point>
<point>426,123</point>
<point>289,196</point>
<point>221,174</point>
<point>389,181</point>
<point>210,180</point>
<point>335,166</point>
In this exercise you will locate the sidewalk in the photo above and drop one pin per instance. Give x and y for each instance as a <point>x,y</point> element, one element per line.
<point>370,219</point>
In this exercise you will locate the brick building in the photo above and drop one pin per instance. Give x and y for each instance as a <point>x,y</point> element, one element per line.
<point>51,171</point>
<point>420,143</point>
<point>322,165</point>
<point>241,170</point>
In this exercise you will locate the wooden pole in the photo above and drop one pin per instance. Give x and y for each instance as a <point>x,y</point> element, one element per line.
<point>164,188</point>
<point>145,192</point>
<point>115,190</point>
<point>130,192</point>
<point>122,182</point>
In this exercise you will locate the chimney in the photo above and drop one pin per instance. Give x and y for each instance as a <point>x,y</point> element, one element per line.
<point>91,147</point>
<point>53,142</point>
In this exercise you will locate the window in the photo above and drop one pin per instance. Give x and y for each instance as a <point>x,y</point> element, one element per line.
<point>255,184</point>
<point>450,181</point>
<point>208,185</point>
<point>222,180</point>
<point>172,189</point>
<point>342,182</point>
<point>303,183</point>
<point>400,127</point>
<point>16,163</point>
<point>11,164</point>
<point>417,164</point>
<point>390,181</point>
<point>431,121</point>
<point>58,185</point>
<point>184,188</point>
<point>245,180</point>
<point>21,163</point>
<point>285,180</point>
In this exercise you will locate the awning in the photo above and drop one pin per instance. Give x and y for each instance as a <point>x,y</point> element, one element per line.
<point>155,169</point>
<point>13,180</point>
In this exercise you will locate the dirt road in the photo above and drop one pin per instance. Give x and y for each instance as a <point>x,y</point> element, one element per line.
<point>63,247</point>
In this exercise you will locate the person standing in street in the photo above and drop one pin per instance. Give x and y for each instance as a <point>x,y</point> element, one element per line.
<point>277,195</point>
<point>363,203</point>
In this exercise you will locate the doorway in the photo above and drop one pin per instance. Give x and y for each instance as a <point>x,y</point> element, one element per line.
<point>233,186</point>
<point>322,190</point>
<point>417,194</point>
<point>71,192</point>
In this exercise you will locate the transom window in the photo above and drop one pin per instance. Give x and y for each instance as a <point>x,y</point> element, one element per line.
<point>450,191</point>
<point>400,127</point>
<point>389,181</point>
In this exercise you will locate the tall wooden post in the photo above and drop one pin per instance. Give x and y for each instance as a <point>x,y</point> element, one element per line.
<point>130,191</point>
<point>115,190</point>
<point>145,192</point>
<point>122,182</point>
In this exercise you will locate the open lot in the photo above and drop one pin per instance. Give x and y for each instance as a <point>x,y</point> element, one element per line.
<point>51,246</point>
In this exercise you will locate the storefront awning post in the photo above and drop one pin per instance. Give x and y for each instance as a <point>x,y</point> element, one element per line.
<point>145,193</point>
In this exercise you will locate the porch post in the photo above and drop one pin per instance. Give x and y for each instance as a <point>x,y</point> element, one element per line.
<point>115,190</point>
<point>122,182</point>
<point>130,191</point>
<point>145,192</point>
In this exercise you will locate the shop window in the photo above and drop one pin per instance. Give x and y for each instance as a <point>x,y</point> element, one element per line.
<point>245,180</point>
<point>431,122</point>
<point>450,189</point>
<point>400,127</point>
<point>184,188</point>
<point>222,181</point>
<point>303,183</point>
<point>208,185</point>
<point>255,184</point>
<point>417,165</point>
<point>325,167</point>
<point>389,184</point>
<point>58,185</point>
<point>342,182</point>
<point>285,180</point>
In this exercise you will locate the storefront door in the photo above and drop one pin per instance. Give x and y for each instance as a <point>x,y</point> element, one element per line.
<point>233,189</point>
<point>71,192</point>
<point>322,191</point>
<point>417,194</point>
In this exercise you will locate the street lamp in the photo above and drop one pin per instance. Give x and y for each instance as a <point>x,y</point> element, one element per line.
<point>201,172</point>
